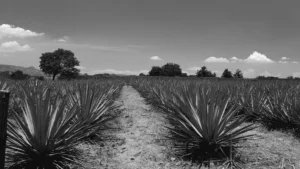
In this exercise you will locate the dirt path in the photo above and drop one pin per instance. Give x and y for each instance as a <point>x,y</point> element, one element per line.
<point>141,133</point>
<point>138,144</point>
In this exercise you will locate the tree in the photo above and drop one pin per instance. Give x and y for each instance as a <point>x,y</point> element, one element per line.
<point>184,75</point>
<point>171,69</point>
<point>60,61</point>
<point>155,71</point>
<point>142,74</point>
<point>203,72</point>
<point>238,74</point>
<point>67,75</point>
<point>290,77</point>
<point>227,74</point>
<point>19,75</point>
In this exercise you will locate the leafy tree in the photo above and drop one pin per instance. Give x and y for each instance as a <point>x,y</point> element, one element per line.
<point>67,75</point>
<point>290,77</point>
<point>227,74</point>
<point>184,75</point>
<point>238,74</point>
<point>203,72</point>
<point>60,61</point>
<point>19,75</point>
<point>171,69</point>
<point>142,74</point>
<point>155,71</point>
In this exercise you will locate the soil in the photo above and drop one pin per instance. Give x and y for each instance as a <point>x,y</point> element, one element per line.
<point>139,141</point>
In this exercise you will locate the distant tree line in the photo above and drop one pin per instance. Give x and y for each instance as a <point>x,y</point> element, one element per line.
<point>172,69</point>
<point>19,75</point>
<point>169,69</point>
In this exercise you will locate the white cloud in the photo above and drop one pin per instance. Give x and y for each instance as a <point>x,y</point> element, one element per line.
<point>285,58</point>
<point>249,73</point>
<point>295,62</point>
<point>113,71</point>
<point>12,31</point>
<point>296,74</point>
<point>213,59</point>
<point>257,57</point>
<point>155,58</point>
<point>266,73</point>
<point>283,61</point>
<point>235,59</point>
<point>195,68</point>
<point>13,46</point>
<point>81,67</point>
<point>218,72</point>
<point>63,39</point>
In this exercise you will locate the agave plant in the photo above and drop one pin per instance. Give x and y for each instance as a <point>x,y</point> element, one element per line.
<point>252,100</point>
<point>281,110</point>
<point>95,105</point>
<point>201,126</point>
<point>44,134</point>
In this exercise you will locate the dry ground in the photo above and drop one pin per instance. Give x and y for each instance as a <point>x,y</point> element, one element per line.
<point>139,143</point>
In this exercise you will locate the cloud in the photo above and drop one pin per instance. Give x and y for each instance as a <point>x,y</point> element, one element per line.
<point>296,74</point>
<point>295,62</point>
<point>14,46</point>
<point>195,68</point>
<point>235,59</point>
<point>285,58</point>
<point>257,57</point>
<point>266,73</point>
<point>81,67</point>
<point>63,39</point>
<point>283,61</point>
<point>12,31</point>
<point>113,71</point>
<point>249,73</point>
<point>155,58</point>
<point>213,59</point>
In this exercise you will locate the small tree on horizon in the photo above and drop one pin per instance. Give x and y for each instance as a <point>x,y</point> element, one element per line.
<point>227,74</point>
<point>238,74</point>
<point>19,75</point>
<point>203,72</point>
<point>61,62</point>
<point>155,71</point>
<point>171,69</point>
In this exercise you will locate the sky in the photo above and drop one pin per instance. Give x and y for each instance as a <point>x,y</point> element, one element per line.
<point>130,36</point>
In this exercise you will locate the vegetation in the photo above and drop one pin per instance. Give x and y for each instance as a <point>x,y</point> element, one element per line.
<point>155,71</point>
<point>227,74</point>
<point>238,74</point>
<point>169,69</point>
<point>207,119</point>
<point>60,62</point>
<point>198,111</point>
<point>48,120</point>
<point>203,72</point>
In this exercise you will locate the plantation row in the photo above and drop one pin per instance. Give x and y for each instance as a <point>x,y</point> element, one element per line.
<point>208,117</point>
<point>48,120</point>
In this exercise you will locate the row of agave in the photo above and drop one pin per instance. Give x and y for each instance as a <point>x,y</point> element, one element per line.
<point>276,106</point>
<point>208,119</point>
<point>48,120</point>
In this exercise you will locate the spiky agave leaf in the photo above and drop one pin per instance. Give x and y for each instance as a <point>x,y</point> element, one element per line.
<point>281,110</point>
<point>44,135</point>
<point>202,127</point>
<point>95,104</point>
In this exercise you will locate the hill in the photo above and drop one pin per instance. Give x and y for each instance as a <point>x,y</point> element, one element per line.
<point>26,70</point>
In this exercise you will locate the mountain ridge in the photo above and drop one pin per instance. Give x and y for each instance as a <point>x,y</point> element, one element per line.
<point>32,71</point>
